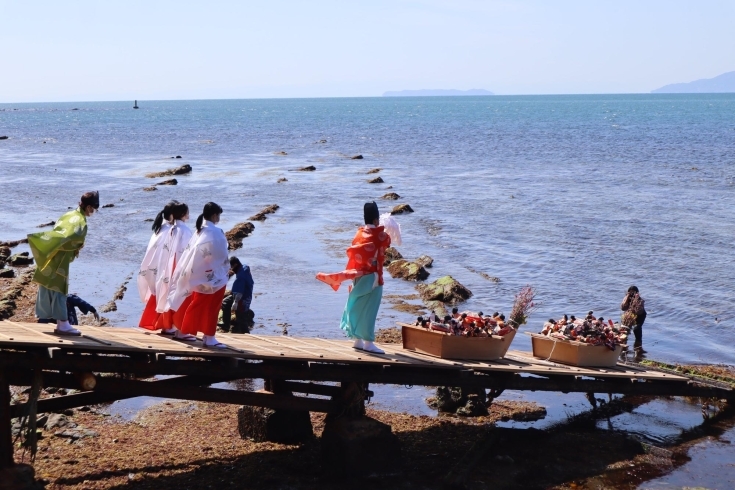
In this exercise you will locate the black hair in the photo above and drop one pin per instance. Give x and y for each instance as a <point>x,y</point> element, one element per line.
<point>235,263</point>
<point>502,317</point>
<point>165,214</point>
<point>447,318</point>
<point>90,199</point>
<point>455,309</point>
<point>632,289</point>
<point>210,209</point>
<point>370,212</point>
<point>179,210</point>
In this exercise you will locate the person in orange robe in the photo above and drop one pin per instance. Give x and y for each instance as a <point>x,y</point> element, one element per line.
<point>365,268</point>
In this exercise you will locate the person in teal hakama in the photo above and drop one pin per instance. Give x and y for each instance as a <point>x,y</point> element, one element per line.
<point>54,252</point>
<point>365,269</point>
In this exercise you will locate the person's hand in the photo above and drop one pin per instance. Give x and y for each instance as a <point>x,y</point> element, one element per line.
<point>96,315</point>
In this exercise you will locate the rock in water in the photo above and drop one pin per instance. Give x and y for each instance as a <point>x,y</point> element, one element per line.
<point>149,189</point>
<point>445,289</point>
<point>4,251</point>
<point>169,182</point>
<point>109,205</point>
<point>237,233</point>
<point>410,271</point>
<point>392,196</point>
<point>374,171</point>
<point>376,180</point>
<point>425,261</point>
<point>310,168</point>
<point>7,273</point>
<point>402,208</point>
<point>182,170</point>
<point>3,137</point>
<point>21,259</point>
<point>391,254</point>
<point>356,157</point>
<point>282,179</point>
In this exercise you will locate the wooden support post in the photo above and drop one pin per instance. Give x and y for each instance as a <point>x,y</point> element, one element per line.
<point>6,435</point>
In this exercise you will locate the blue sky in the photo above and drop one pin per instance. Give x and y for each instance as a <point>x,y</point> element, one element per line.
<point>159,49</point>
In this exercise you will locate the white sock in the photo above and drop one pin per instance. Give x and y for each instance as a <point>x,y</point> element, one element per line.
<point>63,325</point>
<point>171,330</point>
<point>370,347</point>
<point>358,344</point>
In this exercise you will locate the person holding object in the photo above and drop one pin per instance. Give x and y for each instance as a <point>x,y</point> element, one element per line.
<point>149,268</point>
<point>54,252</point>
<point>242,296</point>
<point>365,268</point>
<point>202,275</point>
<point>634,314</point>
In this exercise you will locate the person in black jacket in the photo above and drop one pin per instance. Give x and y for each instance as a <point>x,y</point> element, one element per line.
<point>72,303</point>
<point>634,314</point>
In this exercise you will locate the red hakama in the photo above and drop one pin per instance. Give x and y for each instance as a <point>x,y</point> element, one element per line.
<point>202,313</point>
<point>150,315</point>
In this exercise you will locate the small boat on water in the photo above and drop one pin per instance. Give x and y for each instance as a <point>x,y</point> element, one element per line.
<point>135,106</point>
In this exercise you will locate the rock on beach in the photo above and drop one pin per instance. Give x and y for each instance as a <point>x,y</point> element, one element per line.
<point>391,196</point>
<point>356,157</point>
<point>425,261</point>
<point>151,188</point>
<point>309,168</point>
<point>376,180</point>
<point>374,171</point>
<point>169,182</point>
<point>391,254</point>
<point>261,216</point>
<point>182,170</point>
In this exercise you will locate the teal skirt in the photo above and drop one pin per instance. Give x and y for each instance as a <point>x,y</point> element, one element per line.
<point>51,305</point>
<point>361,310</point>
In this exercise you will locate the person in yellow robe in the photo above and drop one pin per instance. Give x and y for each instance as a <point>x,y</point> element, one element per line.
<point>54,252</point>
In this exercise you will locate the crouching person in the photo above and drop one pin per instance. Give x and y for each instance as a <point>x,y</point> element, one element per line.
<point>239,300</point>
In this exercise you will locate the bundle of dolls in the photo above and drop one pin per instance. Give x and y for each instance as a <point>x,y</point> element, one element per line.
<point>590,330</point>
<point>466,324</point>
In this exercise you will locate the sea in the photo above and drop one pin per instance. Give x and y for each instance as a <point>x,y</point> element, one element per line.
<point>579,196</point>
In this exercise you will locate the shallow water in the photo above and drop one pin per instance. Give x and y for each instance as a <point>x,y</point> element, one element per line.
<point>580,196</point>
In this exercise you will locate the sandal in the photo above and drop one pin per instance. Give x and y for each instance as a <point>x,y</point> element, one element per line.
<point>186,337</point>
<point>218,345</point>
<point>69,333</point>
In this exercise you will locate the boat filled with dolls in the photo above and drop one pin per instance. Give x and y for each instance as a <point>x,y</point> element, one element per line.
<point>590,341</point>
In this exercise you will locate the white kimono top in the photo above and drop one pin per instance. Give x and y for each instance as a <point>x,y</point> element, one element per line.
<point>203,267</point>
<point>175,244</point>
<point>149,268</point>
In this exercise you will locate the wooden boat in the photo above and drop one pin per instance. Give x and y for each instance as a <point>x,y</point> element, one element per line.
<point>572,352</point>
<point>439,344</point>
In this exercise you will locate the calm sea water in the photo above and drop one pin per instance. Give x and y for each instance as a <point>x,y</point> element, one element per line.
<point>579,196</point>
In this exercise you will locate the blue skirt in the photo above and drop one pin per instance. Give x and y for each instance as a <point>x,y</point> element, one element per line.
<point>361,310</point>
<point>51,305</point>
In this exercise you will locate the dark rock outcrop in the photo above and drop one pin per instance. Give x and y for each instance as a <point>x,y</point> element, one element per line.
<point>4,251</point>
<point>7,273</point>
<point>392,196</point>
<point>237,233</point>
<point>261,216</point>
<point>356,157</point>
<point>44,225</point>
<point>402,208</point>
<point>20,260</point>
<point>151,188</point>
<point>282,153</point>
<point>359,446</point>
<point>182,170</point>
<point>282,179</point>
<point>265,424</point>
<point>310,168</point>
<point>425,260</point>
<point>391,254</point>
<point>376,180</point>
<point>374,171</point>
<point>3,137</point>
<point>410,271</point>
<point>169,182</point>
<point>109,205</point>
<point>13,243</point>
<point>445,289</point>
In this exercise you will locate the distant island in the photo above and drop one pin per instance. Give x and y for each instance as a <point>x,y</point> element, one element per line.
<point>720,84</point>
<point>436,93</point>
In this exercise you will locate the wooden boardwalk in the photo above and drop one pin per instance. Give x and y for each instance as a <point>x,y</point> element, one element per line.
<point>120,340</point>
<point>301,374</point>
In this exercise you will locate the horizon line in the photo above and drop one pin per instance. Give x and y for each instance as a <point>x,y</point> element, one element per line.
<point>495,95</point>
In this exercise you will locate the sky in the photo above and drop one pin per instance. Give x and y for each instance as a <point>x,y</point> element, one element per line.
<point>221,49</point>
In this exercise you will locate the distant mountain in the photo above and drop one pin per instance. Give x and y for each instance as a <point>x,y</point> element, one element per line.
<point>719,84</point>
<point>436,93</point>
